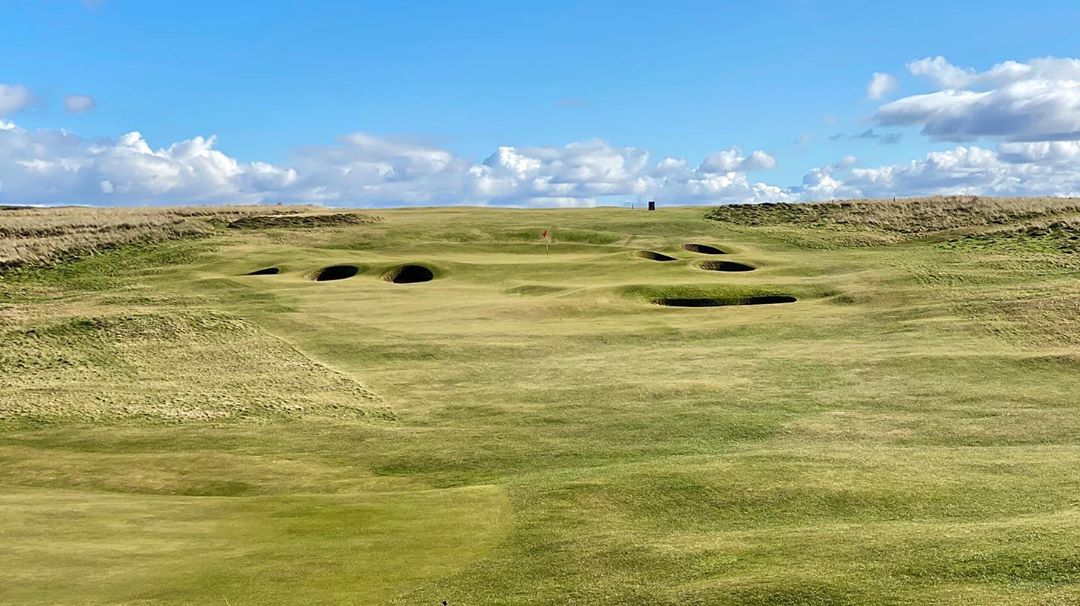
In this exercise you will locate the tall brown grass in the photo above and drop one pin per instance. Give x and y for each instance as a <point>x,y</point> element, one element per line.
<point>912,216</point>
<point>42,236</point>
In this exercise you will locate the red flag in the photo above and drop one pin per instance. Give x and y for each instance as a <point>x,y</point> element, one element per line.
<point>544,234</point>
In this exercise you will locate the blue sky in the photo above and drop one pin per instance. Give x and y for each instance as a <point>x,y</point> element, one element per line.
<point>439,87</point>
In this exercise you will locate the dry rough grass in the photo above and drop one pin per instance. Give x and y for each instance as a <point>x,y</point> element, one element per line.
<point>45,236</point>
<point>307,221</point>
<point>909,216</point>
<point>1060,236</point>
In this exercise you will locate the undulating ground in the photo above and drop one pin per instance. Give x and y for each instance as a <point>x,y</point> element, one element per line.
<point>529,426</point>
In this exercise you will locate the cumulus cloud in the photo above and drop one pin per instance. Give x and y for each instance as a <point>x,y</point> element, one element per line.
<point>1055,153</point>
<point>44,166</point>
<point>948,76</point>
<point>1034,101</point>
<point>58,167</point>
<point>881,85</point>
<point>941,72</point>
<point>13,98</point>
<point>1013,169</point>
<point>1032,110</point>
<point>733,159</point>
<point>78,104</point>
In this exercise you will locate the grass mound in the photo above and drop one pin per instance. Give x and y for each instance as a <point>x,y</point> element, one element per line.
<point>266,271</point>
<point>336,272</point>
<point>725,266</point>
<point>704,249</point>
<point>654,256</point>
<point>723,301</point>
<point>170,366</point>
<point>409,274</point>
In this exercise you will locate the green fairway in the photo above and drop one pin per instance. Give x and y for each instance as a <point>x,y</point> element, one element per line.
<point>827,413</point>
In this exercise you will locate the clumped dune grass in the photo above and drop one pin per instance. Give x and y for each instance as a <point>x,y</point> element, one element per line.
<point>301,220</point>
<point>909,216</point>
<point>1060,236</point>
<point>42,236</point>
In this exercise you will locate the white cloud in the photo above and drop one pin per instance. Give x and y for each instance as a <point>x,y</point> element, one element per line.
<point>732,159</point>
<point>759,160</point>
<point>78,104</point>
<point>941,72</point>
<point>948,76</point>
<point>42,166</point>
<point>58,167</point>
<point>1054,153</point>
<point>1030,107</point>
<point>13,98</point>
<point>39,166</point>
<point>881,85</point>
<point>582,174</point>
<point>1014,169</point>
<point>1034,101</point>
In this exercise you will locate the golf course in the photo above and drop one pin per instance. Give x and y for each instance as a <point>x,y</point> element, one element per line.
<point>867,402</point>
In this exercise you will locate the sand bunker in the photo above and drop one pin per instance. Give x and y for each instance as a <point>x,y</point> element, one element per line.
<point>266,271</point>
<point>336,272</point>
<point>654,256</point>
<point>718,302</point>
<point>725,266</point>
<point>704,249</point>
<point>409,274</point>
